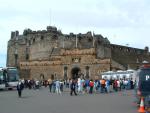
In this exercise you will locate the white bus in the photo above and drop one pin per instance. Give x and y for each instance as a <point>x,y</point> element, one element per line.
<point>128,74</point>
<point>11,77</point>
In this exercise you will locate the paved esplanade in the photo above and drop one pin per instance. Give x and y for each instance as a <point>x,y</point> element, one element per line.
<point>34,101</point>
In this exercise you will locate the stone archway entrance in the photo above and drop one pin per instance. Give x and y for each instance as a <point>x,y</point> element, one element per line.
<point>75,72</point>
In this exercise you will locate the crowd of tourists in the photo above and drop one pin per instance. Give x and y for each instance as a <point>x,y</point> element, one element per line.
<point>101,86</point>
<point>81,86</point>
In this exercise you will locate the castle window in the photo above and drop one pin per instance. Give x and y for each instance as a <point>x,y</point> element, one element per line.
<point>87,72</point>
<point>65,73</point>
<point>42,37</point>
<point>26,40</point>
<point>33,40</point>
<point>134,50</point>
<point>127,50</point>
<point>89,39</point>
<point>27,56</point>
<point>27,50</point>
<point>29,42</point>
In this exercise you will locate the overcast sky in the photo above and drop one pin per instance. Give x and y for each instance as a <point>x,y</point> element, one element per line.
<point>121,21</point>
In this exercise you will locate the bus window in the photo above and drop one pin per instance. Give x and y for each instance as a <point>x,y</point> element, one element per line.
<point>1,77</point>
<point>13,75</point>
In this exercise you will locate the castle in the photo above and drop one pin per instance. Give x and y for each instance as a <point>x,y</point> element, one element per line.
<point>52,54</point>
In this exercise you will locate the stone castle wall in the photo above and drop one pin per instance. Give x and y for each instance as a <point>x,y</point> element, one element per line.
<point>128,56</point>
<point>49,52</point>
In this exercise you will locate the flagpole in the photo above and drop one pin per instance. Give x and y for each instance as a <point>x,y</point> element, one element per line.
<point>93,39</point>
<point>63,42</point>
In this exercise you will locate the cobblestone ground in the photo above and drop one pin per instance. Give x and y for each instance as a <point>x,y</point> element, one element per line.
<point>41,101</point>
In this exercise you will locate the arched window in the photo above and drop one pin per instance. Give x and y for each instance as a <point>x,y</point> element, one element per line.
<point>52,76</point>
<point>42,37</point>
<point>42,76</point>
<point>65,73</point>
<point>33,40</point>
<point>87,72</point>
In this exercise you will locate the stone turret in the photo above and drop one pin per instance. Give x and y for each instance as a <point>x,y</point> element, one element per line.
<point>27,31</point>
<point>72,35</point>
<point>51,29</point>
<point>14,34</point>
<point>146,49</point>
<point>17,33</point>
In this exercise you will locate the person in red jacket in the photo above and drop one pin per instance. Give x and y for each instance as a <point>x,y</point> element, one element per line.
<point>91,84</point>
<point>115,85</point>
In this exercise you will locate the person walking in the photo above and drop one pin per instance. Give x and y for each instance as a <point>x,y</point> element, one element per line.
<point>107,83</point>
<point>103,85</point>
<point>58,87</point>
<point>91,86</point>
<point>20,87</point>
<point>50,84</point>
<point>73,87</point>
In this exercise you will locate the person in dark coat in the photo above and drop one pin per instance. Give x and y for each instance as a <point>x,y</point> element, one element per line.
<point>73,87</point>
<point>20,87</point>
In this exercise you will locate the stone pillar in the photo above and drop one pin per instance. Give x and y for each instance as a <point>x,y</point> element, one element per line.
<point>17,33</point>
<point>12,35</point>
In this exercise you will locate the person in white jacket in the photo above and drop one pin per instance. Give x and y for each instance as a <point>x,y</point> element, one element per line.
<point>58,91</point>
